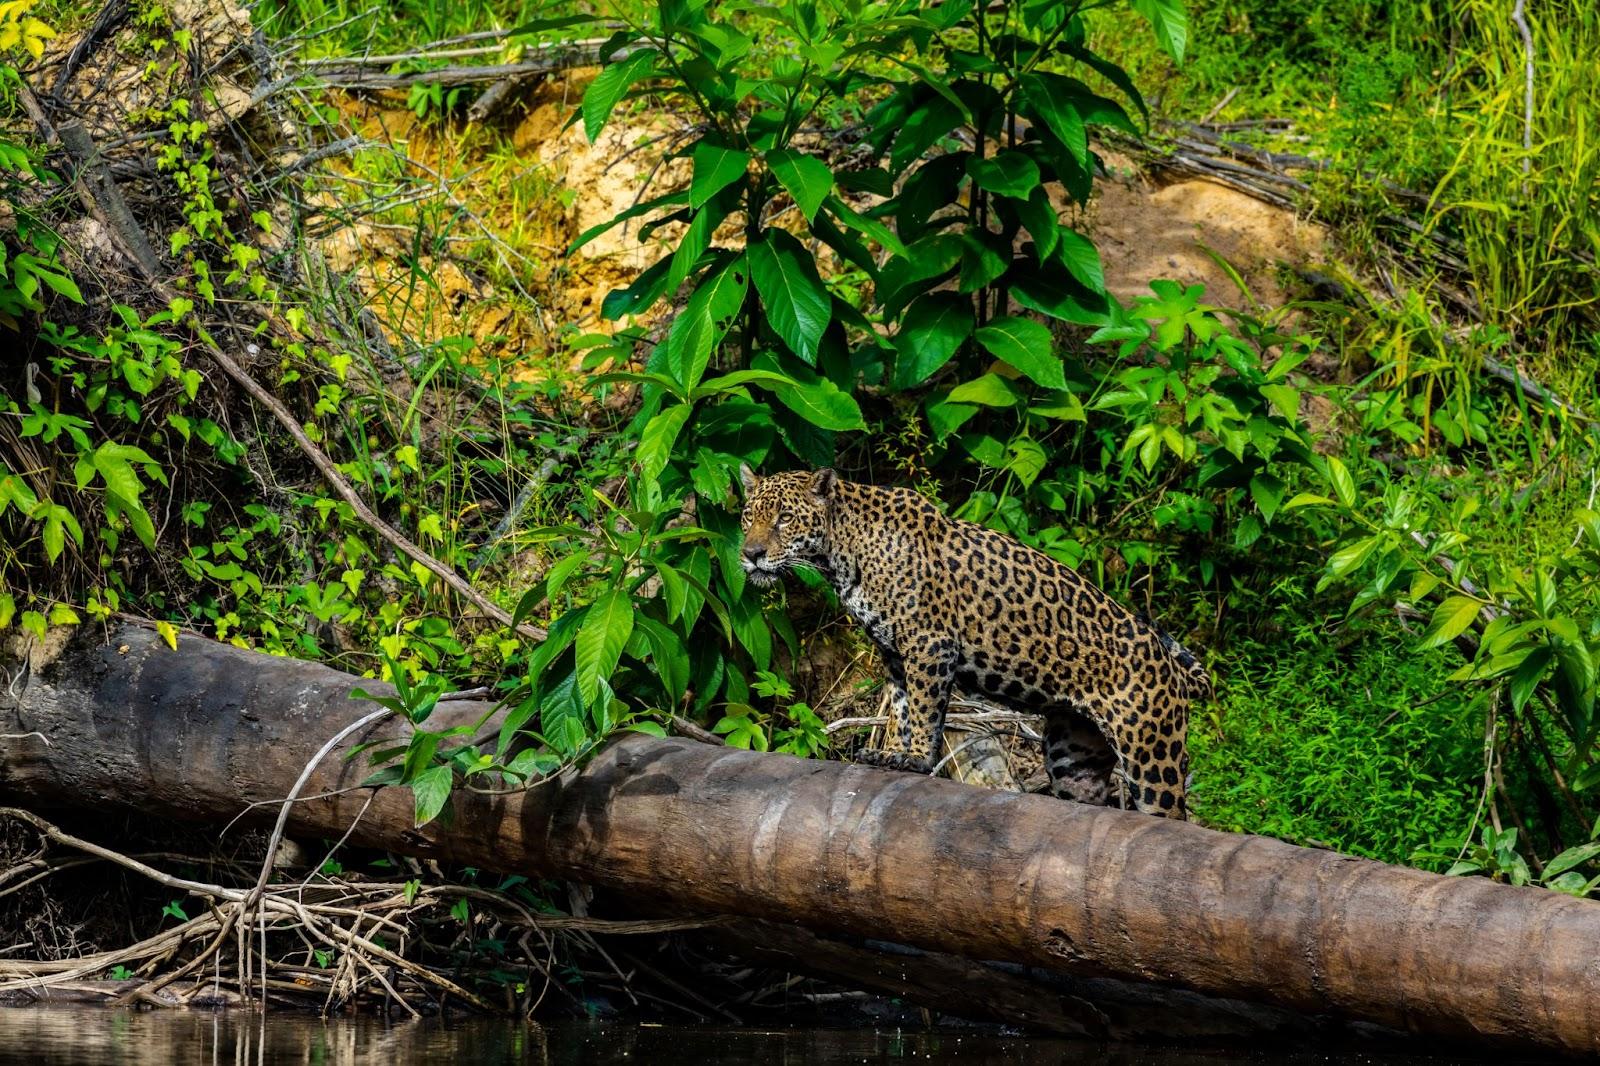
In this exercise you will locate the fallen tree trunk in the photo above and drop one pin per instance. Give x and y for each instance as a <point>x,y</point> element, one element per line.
<point>201,731</point>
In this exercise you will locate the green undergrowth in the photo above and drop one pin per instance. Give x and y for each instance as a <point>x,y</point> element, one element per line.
<point>907,303</point>
<point>1352,742</point>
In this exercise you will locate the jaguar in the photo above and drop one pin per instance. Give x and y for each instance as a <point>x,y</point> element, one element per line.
<point>953,606</point>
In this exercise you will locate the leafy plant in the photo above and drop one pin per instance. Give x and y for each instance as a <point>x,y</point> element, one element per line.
<point>970,115</point>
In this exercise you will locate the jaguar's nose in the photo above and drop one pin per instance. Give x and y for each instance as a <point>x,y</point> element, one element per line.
<point>754,553</point>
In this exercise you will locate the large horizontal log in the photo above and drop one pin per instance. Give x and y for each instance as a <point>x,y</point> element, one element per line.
<point>201,731</point>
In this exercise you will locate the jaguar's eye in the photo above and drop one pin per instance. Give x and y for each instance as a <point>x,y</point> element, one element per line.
<point>783,518</point>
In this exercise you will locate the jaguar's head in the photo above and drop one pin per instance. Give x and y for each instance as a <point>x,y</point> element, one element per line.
<point>785,520</point>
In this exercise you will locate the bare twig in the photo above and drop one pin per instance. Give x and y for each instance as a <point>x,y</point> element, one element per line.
<point>1518,16</point>
<point>1216,108</point>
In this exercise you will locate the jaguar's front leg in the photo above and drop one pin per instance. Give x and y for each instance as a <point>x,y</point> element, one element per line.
<point>920,693</point>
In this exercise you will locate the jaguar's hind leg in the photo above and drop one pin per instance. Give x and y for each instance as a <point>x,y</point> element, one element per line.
<point>1078,758</point>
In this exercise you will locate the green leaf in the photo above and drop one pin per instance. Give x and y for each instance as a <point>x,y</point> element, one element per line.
<point>1038,214</point>
<point>1529,673</point>
<point>606,629</point>
<point>609,87</point>
<point>991,390</point>
<point>1052,103</point>
<point>1351,556</point>
<point>806,178</point>
<point>1026,345</point>
<point>657,439</point>
<point>1450,620</point>
<point>1079,255</point>
<point>1026,459</point>
<point>1170,23</point>
<point>1048,293</point>
<point>1571,857</point>
<point>818,400</point>
<point>1061,405</point>
<point>796,302</point>
<point>1284,398</point>
<point>669,654</point>
<point>1008,173</point>
<point>429,792</point>
<point>850,218</point>
<point>924,128</point>
<point>1344,486</point>
<point>984,259</point>
<point>944,417</point>
<point>715,168</point>
<point>704,321</point>
<point>930,334</point>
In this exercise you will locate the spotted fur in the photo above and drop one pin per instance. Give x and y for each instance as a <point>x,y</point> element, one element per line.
<point>952,605</point>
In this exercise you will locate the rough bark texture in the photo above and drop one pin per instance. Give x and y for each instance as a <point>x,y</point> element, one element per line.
<point>200,731</point>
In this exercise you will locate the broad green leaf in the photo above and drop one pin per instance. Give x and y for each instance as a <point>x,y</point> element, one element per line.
<point>930,334</point>
<point>609,87</point>
<point>1082,260</point>
<point>1284,398</point>
<point>1450,620</point>
<point>693,244</point>
<point>1529,673</point>
<point>429,791</point>
<point>945,417</point>
<point>806,178</point>
<point>1571,857</point>
<point>657,439</point>
<point>640,295</point>
<point>605,630</point>
<point>117,474</point>
<point>991,390</point>
<point>1112,73</point>
<point>1344,486</point>
<point>984,259</point>
<point>1055,109</point>
<point>1351,556</point>
<point>1038,214</point>
<point>1026,459</point>
<point>797,304</point>
<point>670,657</point>
<point>853,219</point>
<point>926,126</point>
<point>1009,173</point>
<point>1060,404</point>
<point>1049,293</point>
<point>715,168</point>
<point>1170,23</point>
<point>704,321</point>
<point>1026,345</point>
<point>818,400</point>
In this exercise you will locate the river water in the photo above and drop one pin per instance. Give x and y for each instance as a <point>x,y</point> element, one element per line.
<point>56,1036</point>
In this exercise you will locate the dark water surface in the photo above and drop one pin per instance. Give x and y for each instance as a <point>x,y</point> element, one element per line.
<point>57,1036</point>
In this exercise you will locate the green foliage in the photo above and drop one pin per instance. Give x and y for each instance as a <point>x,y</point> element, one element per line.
<point>769,357</point>
<point>1363,748</point>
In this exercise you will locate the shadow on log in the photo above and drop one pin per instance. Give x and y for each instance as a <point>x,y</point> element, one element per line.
<point>968,874</point>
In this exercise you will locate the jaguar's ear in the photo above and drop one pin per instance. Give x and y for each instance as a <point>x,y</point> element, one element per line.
<point>825,484</point>
<point>749,479</point>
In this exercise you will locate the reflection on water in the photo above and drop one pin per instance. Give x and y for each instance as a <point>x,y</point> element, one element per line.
<point>58,1036</point>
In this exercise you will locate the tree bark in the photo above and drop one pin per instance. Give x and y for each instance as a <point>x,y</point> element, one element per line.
<point>202,731</point>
